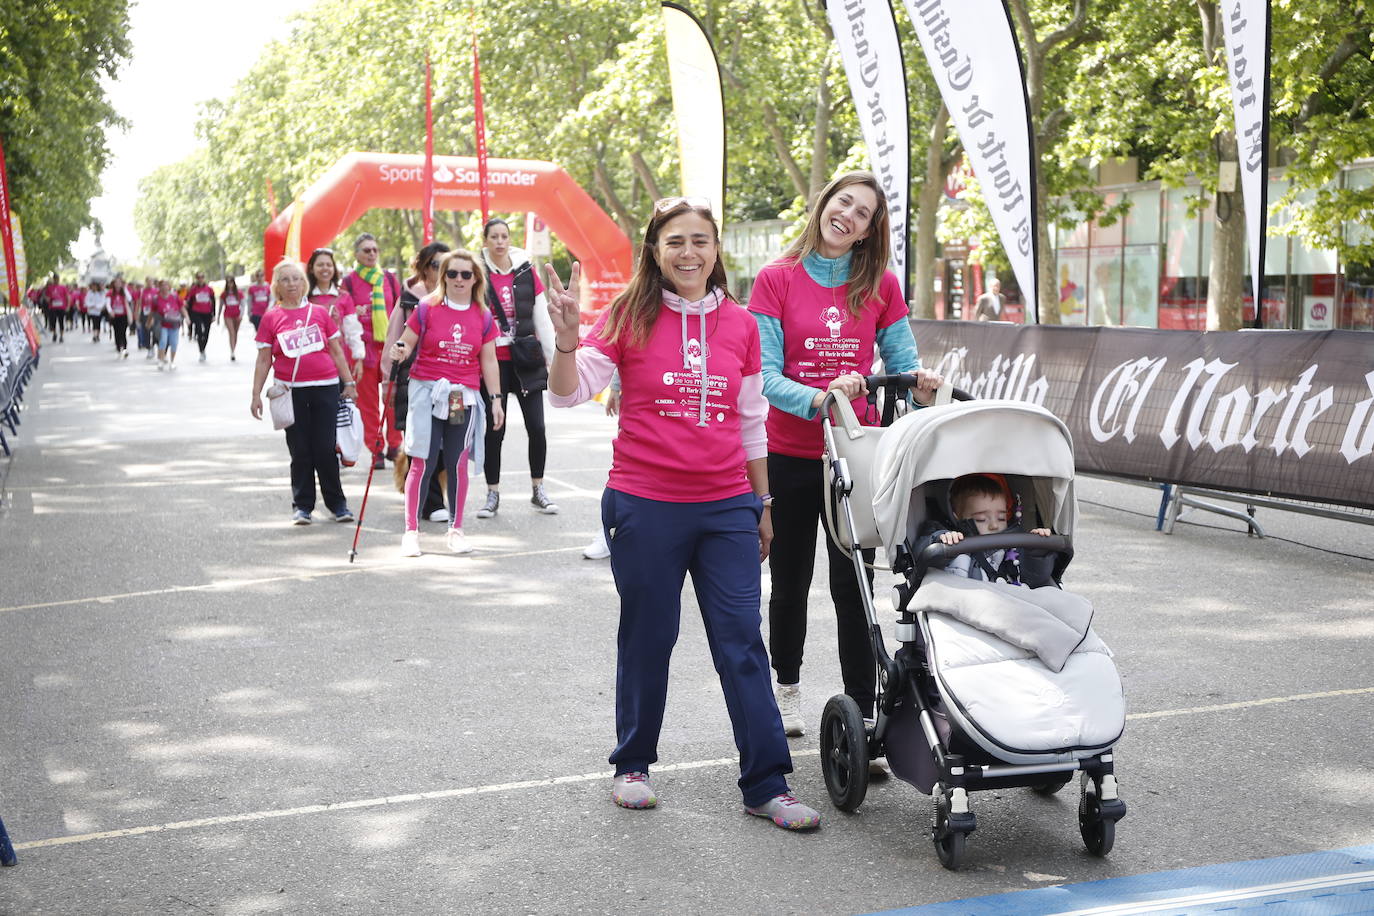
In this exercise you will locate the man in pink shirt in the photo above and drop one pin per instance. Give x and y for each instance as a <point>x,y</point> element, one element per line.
<point>373,292</point>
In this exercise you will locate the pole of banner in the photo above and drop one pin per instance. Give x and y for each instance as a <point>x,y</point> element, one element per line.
<point>427,217</point>
<point>479,126</point>
<point>7,233</point>
<point>7,856</point>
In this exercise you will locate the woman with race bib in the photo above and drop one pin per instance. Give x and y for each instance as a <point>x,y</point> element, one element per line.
<point>821,308</point>
<point>687,493</point>
<point>299,343</point>
<point>454,340</point>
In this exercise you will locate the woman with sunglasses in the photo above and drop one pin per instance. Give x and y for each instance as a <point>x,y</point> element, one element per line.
<point>453,337</point>
<point>516,298</point>
<point>821,309</point>
<point>373,292</point>
<point>424,279</point>
<point>687,493</point>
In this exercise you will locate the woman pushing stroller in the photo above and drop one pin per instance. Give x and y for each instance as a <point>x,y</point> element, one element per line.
<point>687,493</point>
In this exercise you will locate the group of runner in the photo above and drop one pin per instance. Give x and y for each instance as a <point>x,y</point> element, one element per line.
<point>154,310</point>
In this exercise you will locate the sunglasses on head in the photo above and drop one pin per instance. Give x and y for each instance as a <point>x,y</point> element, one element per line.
<point>328,251</point>
<point>668,203</point>
<point>453,274</point>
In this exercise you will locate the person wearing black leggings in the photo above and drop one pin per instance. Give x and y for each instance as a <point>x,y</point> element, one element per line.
<point>516,298</point>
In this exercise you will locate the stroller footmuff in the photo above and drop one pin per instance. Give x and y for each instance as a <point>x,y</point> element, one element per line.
<point>995,685</point>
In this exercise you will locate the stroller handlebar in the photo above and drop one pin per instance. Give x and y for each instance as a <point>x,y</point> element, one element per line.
<point>937,555</point>
<point>905,382</point>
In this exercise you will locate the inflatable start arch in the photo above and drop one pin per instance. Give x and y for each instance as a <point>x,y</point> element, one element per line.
<point>362,181</point>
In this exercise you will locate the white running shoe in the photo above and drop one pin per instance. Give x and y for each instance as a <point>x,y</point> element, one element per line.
<point>598,549</point>
<point>439,515</point>
<point>789,706</point>
<point>410,544</point>
<point>455,541</point>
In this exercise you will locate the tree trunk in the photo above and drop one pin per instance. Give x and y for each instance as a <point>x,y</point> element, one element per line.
<point>820,137</point>
<point>1047,287</point>
<point>603,184</point>
<point>927,215</point>
<point>1226,272</point>
<point>646,175</point>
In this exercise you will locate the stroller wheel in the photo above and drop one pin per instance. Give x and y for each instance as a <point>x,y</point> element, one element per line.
<point>844,752</point>
<point>1098,833</point>
<point>949,843</point>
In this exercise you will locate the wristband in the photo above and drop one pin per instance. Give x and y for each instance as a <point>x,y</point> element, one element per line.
<point>561,350</point>
<point>766,499</point>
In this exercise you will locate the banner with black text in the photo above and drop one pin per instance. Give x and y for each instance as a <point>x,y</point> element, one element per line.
<point>866,34</point>
<point>1282,413</point>
<point>1245,24</point>
<point>973,54</point>
<point>698,106</point>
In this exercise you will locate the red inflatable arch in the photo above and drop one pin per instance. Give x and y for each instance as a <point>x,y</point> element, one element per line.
<point>362,181</point>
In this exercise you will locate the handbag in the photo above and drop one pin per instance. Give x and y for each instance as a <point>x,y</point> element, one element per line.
<point>279,401</point>
<point>349,436</point>
<point>526,355</point>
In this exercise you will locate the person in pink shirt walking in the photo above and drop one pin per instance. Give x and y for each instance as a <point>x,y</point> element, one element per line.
<point>373,293</point>
<point>259,299</point>
<point>231,313</point>
<point>172,313</point>
<point>687,493</point>
<point>200,303</point>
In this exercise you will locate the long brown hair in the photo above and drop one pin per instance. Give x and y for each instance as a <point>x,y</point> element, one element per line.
<point>479,278</point>
<point>871,253</point>
<point>634,311</point>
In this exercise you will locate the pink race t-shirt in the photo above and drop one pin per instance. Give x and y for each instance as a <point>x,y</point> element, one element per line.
<point>148,299</point>
<point>57,296</point>
<point>451,345</point>
<point>503,285</point>
<point>259,298</point>
<point>201,300</point>
<point>660,452</point>
<point>821,340</point>
<point>300,335</point>
<point>170,306</point>
<point>119,302</point>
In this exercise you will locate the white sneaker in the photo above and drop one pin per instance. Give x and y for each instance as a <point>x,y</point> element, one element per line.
<point>455,541</point>
<point>598,549</point>
<point>439,515</point>
<point>789,706</point>
<point>410,544</point>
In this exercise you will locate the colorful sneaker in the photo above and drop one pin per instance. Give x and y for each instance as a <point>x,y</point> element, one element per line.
<point>632,790</point>
<point>410,544</point>
<point>493,503</point>
<point>788,813</point>
<point>789,706</point>
<point>540,500</point>
<point>455,541</point>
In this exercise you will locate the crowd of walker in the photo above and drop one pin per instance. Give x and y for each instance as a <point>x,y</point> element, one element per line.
<point>718,417</point>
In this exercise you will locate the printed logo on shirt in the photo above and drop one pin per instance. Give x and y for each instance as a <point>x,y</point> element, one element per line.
<point>693,352</point>
<point>833,320</point>
<point>834,353</point>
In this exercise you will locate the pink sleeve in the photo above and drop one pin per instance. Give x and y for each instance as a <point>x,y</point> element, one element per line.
<point>894,309</point>
<point>764,298</point>
<point>753,414</point>
<point>594,371</point>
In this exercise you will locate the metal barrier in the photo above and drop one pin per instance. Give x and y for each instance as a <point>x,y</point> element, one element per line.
<point>17,362</point>
<point>1178,499</point>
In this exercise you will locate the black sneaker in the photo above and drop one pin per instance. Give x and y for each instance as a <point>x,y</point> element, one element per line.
<point>540,500</point>
<point>343,515</point>
<point>493,503</point>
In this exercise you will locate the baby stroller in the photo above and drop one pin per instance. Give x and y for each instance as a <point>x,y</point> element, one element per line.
<point>994,685</point>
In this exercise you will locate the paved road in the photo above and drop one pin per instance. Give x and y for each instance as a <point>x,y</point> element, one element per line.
<point>205,710</point>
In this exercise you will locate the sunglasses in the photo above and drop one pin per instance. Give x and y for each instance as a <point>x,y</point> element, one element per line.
<point>328,251</point>
<point>668,203</point>
<point>367,250</point>
<point>454,274</point>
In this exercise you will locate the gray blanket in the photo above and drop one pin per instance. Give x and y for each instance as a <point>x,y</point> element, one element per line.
<point>1048,621</point>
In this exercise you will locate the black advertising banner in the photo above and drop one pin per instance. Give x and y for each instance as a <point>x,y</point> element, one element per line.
<point>1281,413</point>
<point>15,356</point>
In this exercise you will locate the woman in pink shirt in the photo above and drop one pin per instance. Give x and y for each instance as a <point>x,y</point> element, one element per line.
<point>231,312</point>
<point>149,320</point>
<point>259,299</point>
<point>322,276</point>
<point>172,312</point>
<point>299,343</point>
<point>120,308</point>
<point>454,340</point>
<point>688,493</point>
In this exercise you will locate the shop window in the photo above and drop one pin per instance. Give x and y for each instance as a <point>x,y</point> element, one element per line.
<point>1073,286</point>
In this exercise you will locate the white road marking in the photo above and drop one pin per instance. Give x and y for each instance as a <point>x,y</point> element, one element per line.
<point>469,791</point>
<point>228,584</point>
<point>1183,903</point>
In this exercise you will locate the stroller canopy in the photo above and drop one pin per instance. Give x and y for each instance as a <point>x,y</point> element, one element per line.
<point>994,437</point>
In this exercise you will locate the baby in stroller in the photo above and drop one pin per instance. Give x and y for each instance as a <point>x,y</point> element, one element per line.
<point>982,504</point>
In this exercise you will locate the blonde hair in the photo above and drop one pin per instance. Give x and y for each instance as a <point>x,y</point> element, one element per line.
<point>287,264</point>
<point>479,278</point>
<point>870,254</point>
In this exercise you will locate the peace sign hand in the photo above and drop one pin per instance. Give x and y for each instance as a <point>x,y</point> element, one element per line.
<point>564,310</point>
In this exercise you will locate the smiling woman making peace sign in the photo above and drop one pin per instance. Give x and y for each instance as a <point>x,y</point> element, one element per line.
<point>688,493</point>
